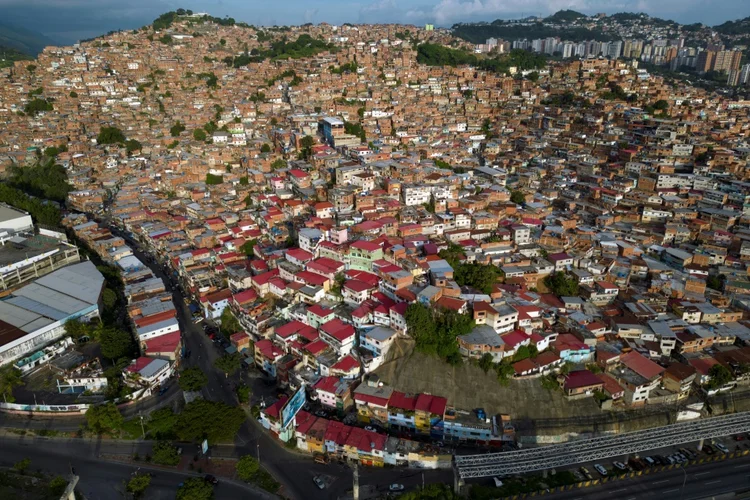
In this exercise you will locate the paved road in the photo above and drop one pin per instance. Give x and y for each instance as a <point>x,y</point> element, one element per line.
<point>99,479</point>
<point>692,483</point>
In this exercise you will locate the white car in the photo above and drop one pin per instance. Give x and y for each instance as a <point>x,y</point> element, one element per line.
<point>601,470</point>
<point>723,448</point>
<point>396,487</point>
<point>620,465</point>
<point>319,483</point>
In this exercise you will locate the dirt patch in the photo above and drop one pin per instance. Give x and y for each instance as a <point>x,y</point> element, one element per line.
<point>468,387</point>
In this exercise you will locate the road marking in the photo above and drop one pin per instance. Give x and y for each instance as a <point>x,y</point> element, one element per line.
<point>713,482</point>
<point>618,491</point>
<point>671,491</point>
<point>660,482</point>
<point>702,473</point>
<point>741,466</point>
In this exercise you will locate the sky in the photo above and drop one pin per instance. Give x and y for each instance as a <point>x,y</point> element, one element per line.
<point>69,20</point>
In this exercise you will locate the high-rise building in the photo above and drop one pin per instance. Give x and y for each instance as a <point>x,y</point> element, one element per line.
<point>615,49</point>
<point>727,61</point>
<point>627,47</point>
<point>745,75</point>
<point>705,61</point>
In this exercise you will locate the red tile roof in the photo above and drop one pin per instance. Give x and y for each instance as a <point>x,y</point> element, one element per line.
<point>641,365</point>
<point>581,378</point>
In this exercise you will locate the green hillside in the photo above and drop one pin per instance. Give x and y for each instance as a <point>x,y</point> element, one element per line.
<point>9,55</point>
<point>23,40</point>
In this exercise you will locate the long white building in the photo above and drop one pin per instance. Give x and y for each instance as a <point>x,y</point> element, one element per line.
<point>35,315</point>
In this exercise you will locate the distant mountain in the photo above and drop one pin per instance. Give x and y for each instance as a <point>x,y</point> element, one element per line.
<point>21,39</point>
<point>738,27</point>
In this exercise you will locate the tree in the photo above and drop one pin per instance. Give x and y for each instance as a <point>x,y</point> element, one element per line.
<point>222,42</point>
<point>215,421</point>
<point>248,246</point>
<point>521,353</point>
<point>265,148</point>
<point>278,164</point>
<point>517,197</point>
<point>199,134</point>
<point>115,343</point>
<point>434,491</point>
<point>192,379</point>
<point>103,418</point>
<point>10,377</point>
<point>36,106</point>
<point>561,284</point>
<point>110,135</point>
<point>307,142</point>
<point>138,484</point>
<point>76,329</point>
<point>716,282</point>
<point>213,179</point>
<point>243,393</point>
<point>480,276</point>
<point>229,363</point>
<point>132,145</point>
<point>22,465</point>
<point>109,299</point>
<point>533,76</point>
<point>73,94</point>
<point>247,467</point>
<point>57,486</point>
<point>165,453</point>
<point>229,323</point>
<point>486,361</point>
<point>195,489</point>
<point>720,376</point>
<point>177,129</point>
<point>505,372</point>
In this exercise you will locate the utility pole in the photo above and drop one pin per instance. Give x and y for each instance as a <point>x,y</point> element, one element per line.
<point>257,449</point>
<point>355,489</point>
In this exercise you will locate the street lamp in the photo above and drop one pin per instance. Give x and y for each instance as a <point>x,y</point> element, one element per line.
<point>143,429</point>
<point>257,448</point>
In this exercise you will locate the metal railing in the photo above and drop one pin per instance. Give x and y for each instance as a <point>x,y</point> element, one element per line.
<point>516,462</point>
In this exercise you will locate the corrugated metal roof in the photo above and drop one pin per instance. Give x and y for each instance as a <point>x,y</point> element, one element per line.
<point>63,302</point>
<point>16,316</point>
<point>81,280</point>
<point>37,307</point>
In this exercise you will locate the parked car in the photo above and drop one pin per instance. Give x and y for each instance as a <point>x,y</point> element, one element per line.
<point>636,464</point>
<point>600,469</point>
<point>396,487</point>
<point>210,479</point>
<point>739,437</point>
<point>320,459</point>
<point>649,461</point>
<point>163,390</point>
<point>721,447</point>
<point>370,428</point>
<point>619,465</point>
<point>586,473</point>
<point>319,482</point>
<point>578,475</point>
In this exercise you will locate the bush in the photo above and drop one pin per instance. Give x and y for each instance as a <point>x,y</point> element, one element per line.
<point>57,486</point>
<point>110,135</point>
<point>165,453</point>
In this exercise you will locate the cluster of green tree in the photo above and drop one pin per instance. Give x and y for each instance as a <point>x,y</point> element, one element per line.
<point>36,106</point>
<point>479,276</point>
<point>561,284</point>
<point>195,488</point>
<point>192,379</point>
<point>215,421</point>
<point>211,79</point>
<point>434,491</point>
<point>355,129</point>
<point>258,97</point>
<point>566,100</point>
<point>344,68</point>
<point>110,135</point>
<point>479,33</point>
<point>229,363</point>
<point>306,144</point>
<point>290,73</point>
<point>720,376</point>
<point>53,151</point>
<point>10,378</point>
<point>212,179</point>
<point>303,46</point>
<point>517,197</point>
<point>44,180</point>
<point>435,330</point>
<point>716,281</point>
<point>114,343</point>
<point>229,323</point>
<point>438,55</point>
<point>521,486</point>
<point>616,92</point>
<point>137,485</point>
<point>41,211</point>
<point>176,129</point>
<point>9,55</point>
